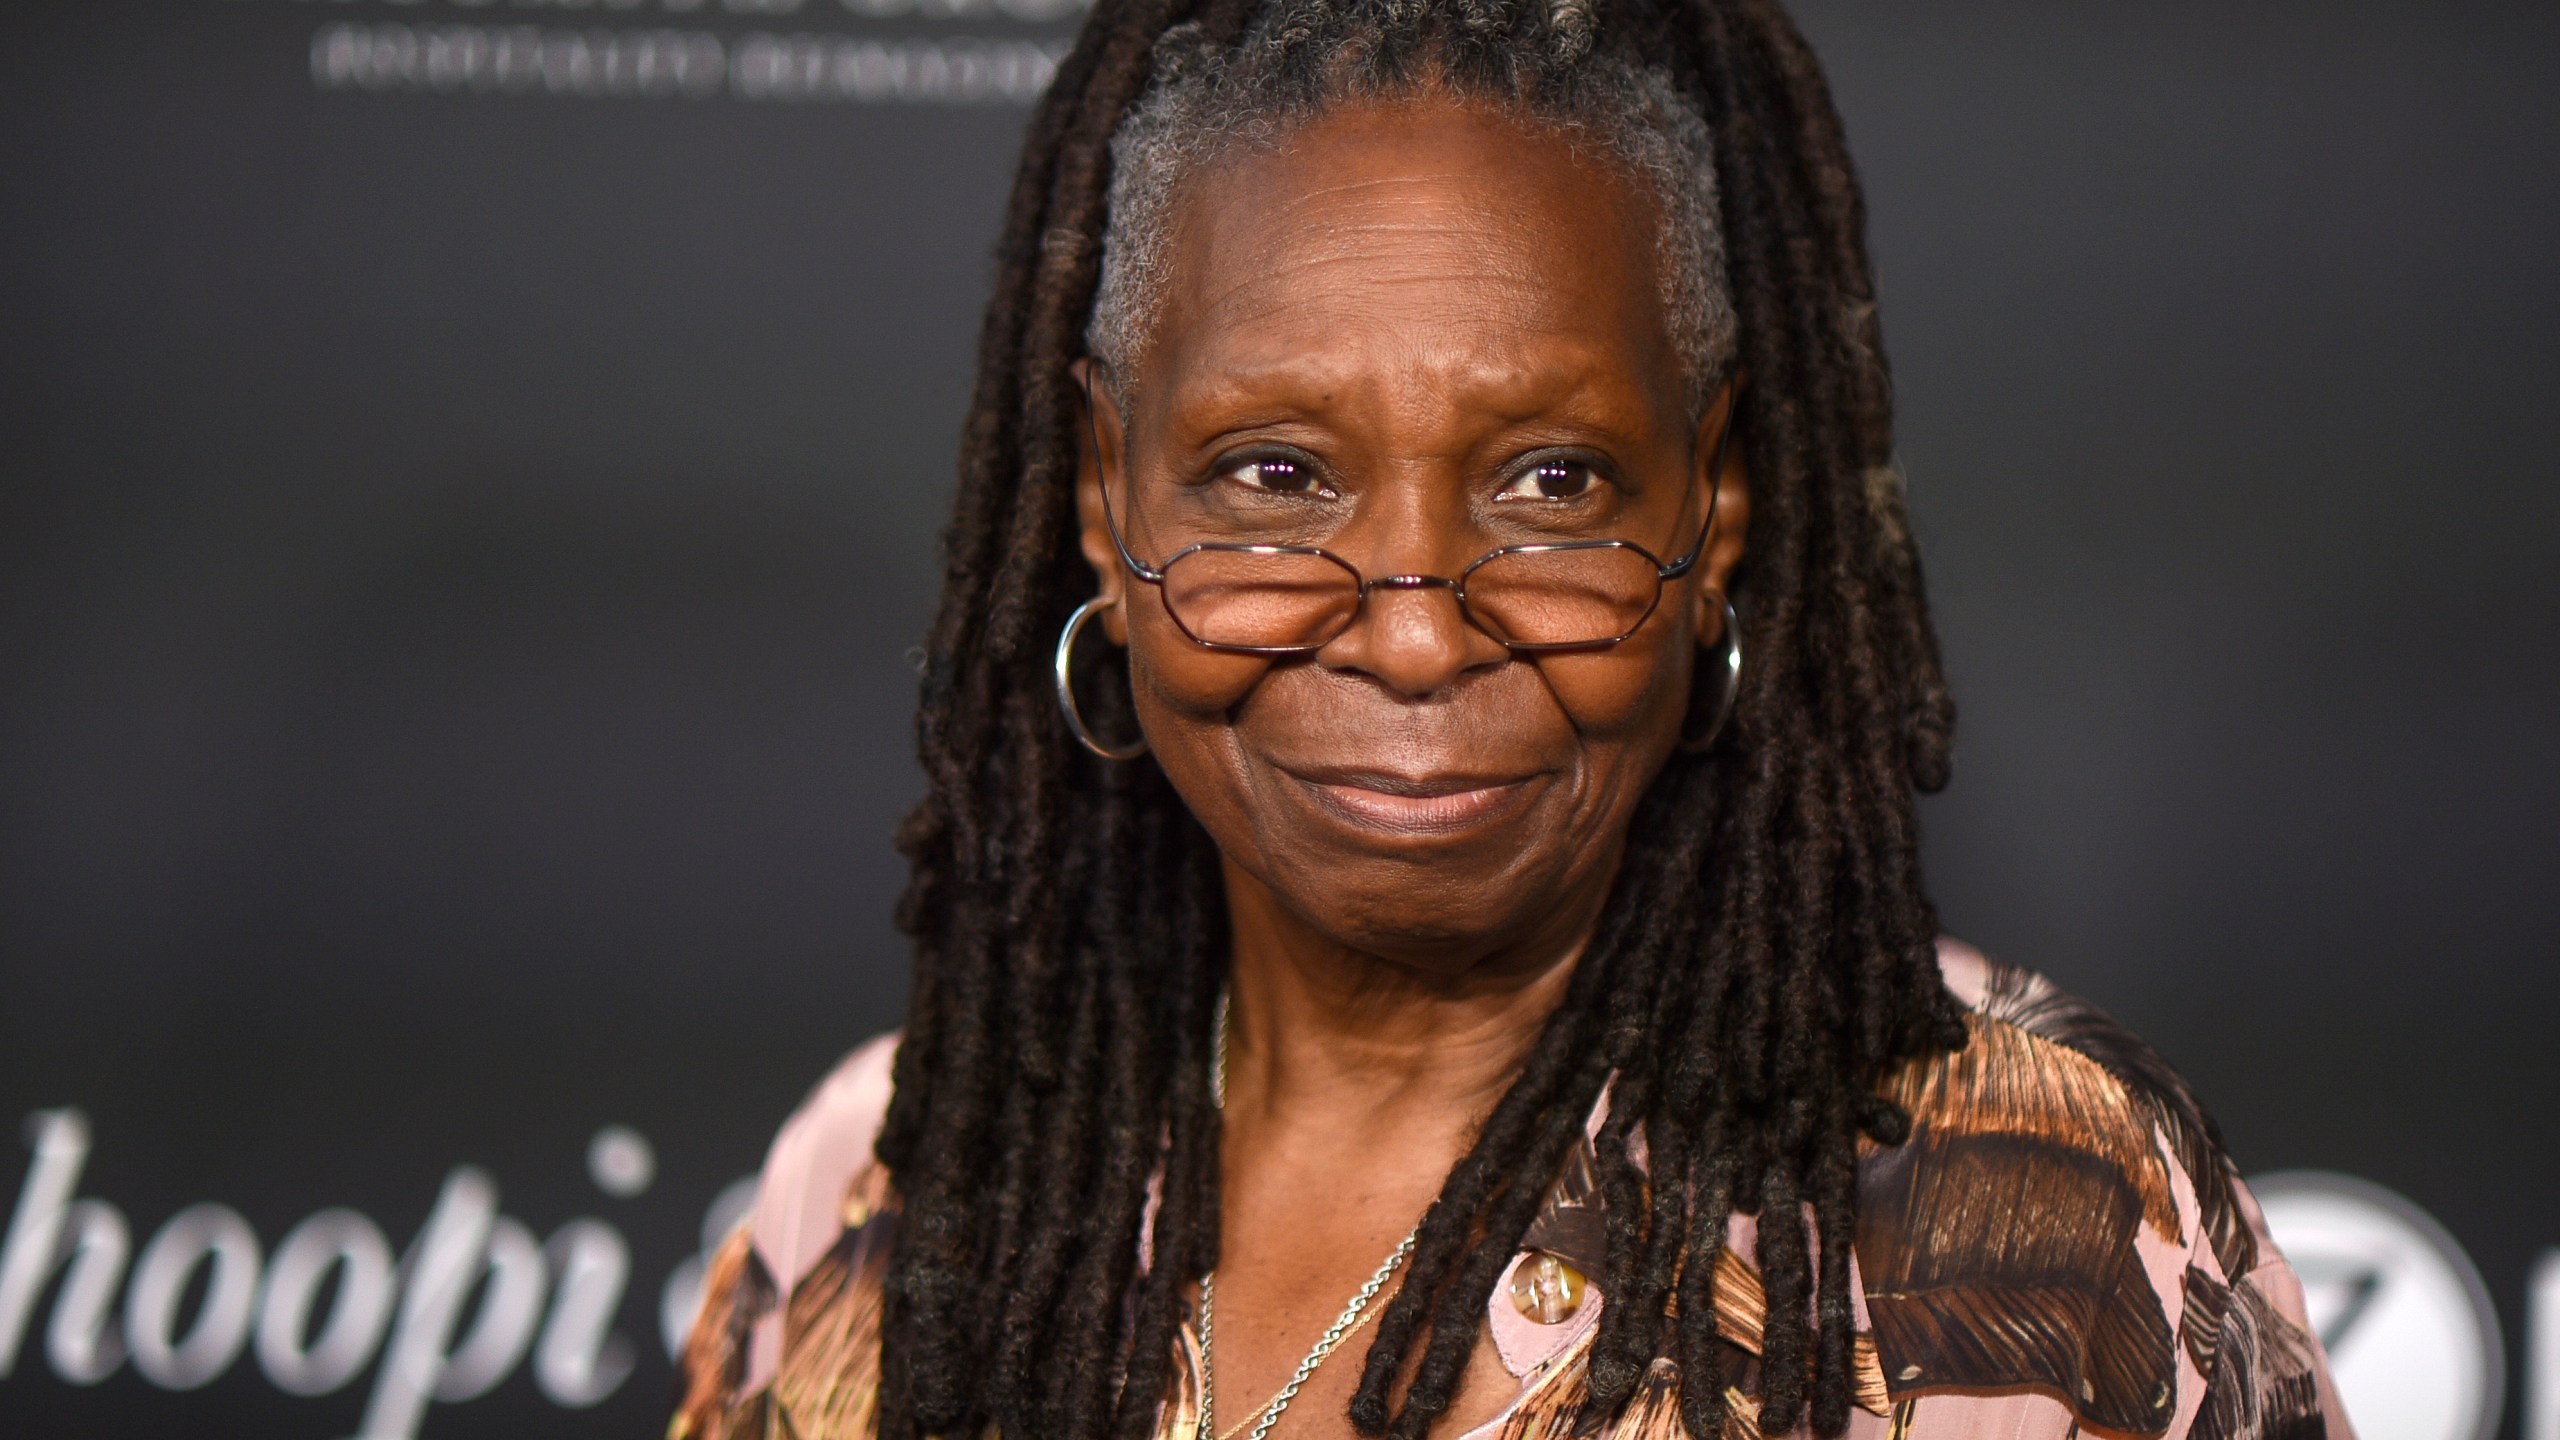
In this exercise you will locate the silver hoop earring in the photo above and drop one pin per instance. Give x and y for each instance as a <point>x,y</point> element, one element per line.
<point>1067,689</point>
<point>1732,684</point>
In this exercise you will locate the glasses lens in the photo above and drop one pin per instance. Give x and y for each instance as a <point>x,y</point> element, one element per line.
<point>1254,600</point>
<point>1572,596</point>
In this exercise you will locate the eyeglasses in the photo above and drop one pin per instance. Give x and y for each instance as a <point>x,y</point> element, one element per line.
<point>1284,600</point>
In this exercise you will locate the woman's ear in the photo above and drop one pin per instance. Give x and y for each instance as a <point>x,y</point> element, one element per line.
<point>1724,485</point>
<point>1100,461</point>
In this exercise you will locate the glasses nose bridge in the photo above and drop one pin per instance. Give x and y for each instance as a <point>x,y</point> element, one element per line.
<point>1406,582</point>
<point>1402,641</point>
<point>1370,585</point>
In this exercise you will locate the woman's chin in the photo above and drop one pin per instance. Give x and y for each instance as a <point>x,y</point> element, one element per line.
<point>1440,898</point>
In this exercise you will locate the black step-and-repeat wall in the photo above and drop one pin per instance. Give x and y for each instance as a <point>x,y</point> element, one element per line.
<point>469,476</point>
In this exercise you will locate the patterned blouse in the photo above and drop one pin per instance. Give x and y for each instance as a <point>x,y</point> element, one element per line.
<point>2060,1249</point>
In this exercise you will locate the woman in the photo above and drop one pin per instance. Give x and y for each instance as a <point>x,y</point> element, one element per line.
<point>1449,956</point>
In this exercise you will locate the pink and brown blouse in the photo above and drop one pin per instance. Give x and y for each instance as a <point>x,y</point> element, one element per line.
<point>2060,1249</point>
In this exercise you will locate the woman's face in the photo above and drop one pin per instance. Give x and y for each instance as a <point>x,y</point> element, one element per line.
<point>1417,332</point>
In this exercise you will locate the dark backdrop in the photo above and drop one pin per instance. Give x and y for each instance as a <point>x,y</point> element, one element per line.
<point>460,535</point>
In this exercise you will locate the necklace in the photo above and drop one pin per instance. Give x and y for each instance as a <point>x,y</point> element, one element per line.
<point>1353,1316</point>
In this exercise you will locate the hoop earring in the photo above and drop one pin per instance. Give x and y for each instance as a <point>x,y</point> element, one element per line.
<point>1067,689</point>
<point>1732,684</point>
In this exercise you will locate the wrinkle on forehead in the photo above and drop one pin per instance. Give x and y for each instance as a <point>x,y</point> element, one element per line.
<point>1223,110</point>
<point>1414,240</point>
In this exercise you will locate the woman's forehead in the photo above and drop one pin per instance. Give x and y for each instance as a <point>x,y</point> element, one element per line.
<point>1413,234</point>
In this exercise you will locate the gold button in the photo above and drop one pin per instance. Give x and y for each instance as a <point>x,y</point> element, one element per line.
<point>1546,1289</point>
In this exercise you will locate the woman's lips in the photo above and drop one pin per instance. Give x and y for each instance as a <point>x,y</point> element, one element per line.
<point>1413,805</point>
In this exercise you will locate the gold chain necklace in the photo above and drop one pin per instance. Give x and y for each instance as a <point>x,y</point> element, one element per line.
<point>1353,1316</point>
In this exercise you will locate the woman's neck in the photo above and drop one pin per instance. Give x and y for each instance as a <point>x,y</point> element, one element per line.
<point>1364,1046</point>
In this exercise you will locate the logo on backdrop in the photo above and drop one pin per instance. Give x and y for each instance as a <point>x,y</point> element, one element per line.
<point>2412,1338</point>
<point>550,1302</point>
<point>629,50</point>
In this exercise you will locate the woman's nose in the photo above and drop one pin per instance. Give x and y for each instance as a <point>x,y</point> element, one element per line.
<point>1412,637</point>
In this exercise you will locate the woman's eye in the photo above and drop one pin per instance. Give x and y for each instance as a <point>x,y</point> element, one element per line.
<point>1553,480</point>
<point>1278,475</point>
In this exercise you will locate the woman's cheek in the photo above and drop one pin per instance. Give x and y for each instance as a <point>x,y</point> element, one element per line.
<point>1167,668</point>
<point>1195,684</point>
<point>1623,691</point>
<point>1186,696</point>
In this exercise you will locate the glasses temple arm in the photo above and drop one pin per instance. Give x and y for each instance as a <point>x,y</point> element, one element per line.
<point>1102,481</point>
<point>1715,499</point>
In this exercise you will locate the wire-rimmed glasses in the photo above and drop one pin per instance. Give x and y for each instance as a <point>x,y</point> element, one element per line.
<point>1280,600</point>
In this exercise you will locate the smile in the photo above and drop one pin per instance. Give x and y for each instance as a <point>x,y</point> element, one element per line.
<point>1414,805</point>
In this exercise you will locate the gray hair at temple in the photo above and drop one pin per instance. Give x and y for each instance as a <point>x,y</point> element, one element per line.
<point>1207,101</point>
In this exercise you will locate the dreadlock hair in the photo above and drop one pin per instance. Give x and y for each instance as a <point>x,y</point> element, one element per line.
<point>1767,950</point>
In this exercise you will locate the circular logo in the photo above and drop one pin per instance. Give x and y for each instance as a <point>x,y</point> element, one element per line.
<point>2412,1339</point>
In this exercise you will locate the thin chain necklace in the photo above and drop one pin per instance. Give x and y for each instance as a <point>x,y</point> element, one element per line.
<point>1353,1315</point>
